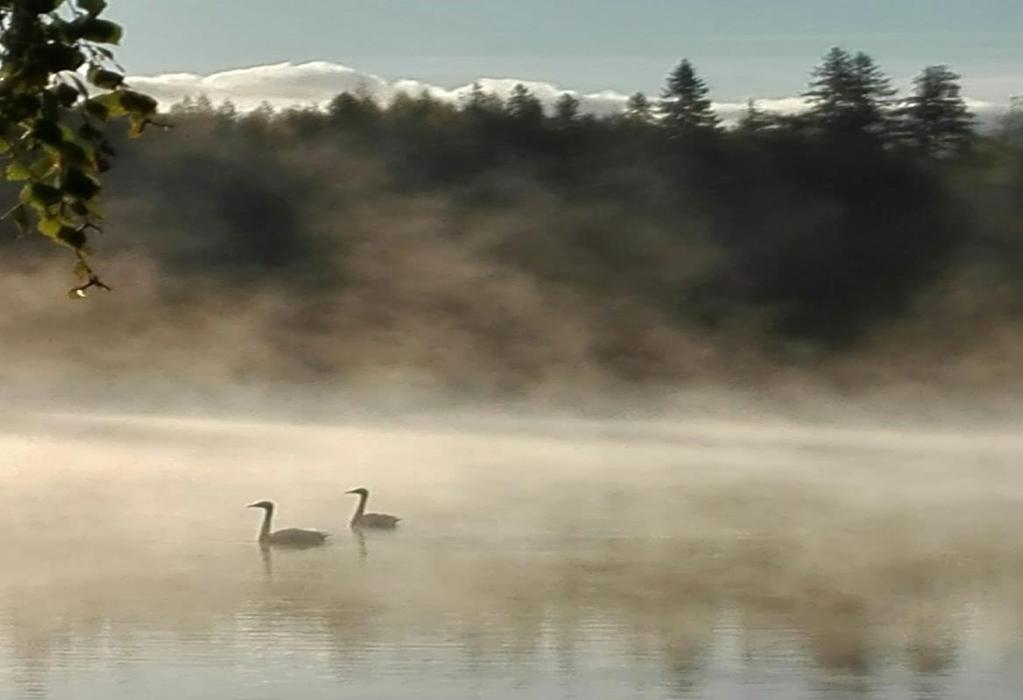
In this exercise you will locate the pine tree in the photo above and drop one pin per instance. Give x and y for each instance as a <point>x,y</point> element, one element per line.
<point>566,110</point>
<point>685,106</point>
<point>523,105</point>
<point>482,114</point>
<point>755,119</point>
<point>185,106</point>
<point>873,92</point>
<point>850,95</point>
<point>203,104</point>
<point>349,111</point>
<point>258,121</point>
<point>264,111</point>
<point>480,103</point>
<point>935,118</point>
<point>227,110</point>
<point>225,116</point>
<point>639,110</point>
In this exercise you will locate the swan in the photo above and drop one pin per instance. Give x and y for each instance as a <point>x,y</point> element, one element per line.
<point>373,521</point>
<point>290,537</point>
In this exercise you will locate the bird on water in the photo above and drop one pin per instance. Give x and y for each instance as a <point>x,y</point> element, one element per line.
<point>289,537</point>
<point>370,521</point>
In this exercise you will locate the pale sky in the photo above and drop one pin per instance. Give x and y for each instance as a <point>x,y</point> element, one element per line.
<point>760,48</point>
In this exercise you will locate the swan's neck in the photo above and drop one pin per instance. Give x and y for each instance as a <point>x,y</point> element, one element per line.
<point>361,508</point>
<point>264,531</point>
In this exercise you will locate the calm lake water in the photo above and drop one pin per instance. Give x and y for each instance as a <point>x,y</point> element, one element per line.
<point>535,560</point>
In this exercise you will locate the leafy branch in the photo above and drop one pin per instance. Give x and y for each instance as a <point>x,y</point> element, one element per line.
<point>60,88</point>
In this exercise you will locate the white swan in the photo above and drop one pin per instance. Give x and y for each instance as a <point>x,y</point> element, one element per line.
<point>370,521</point>
<point>290,537</point>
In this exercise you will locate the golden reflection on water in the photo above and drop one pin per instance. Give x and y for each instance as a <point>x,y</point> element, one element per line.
<point>616,561</point>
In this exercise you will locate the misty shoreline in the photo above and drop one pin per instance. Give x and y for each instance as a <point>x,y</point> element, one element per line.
<point>939,423</point>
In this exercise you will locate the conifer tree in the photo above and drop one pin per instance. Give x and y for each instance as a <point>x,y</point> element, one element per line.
<point>849,95</point>
<point>523,105</point>
<point>935,119</point>
<point>685,106</point>
<point>754,119</point>
<point>566,110</point>
<point>639,110</point>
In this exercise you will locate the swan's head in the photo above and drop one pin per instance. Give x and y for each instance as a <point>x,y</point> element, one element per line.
<point>361,492</point>
<point>265,505</point>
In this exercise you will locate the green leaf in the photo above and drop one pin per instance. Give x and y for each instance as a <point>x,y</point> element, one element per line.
<point>66,95</point>
<point>138,104</point>
<point>47,131</point>
<point>16,172</point>
<point>93,7</point>
<point>99,30</point>
<point>49,226</point>
<point>60,57</point>
<point>96,110</point>
<point>79,185</point>
<point>111,102</point>
<point>90,209</point>
<point>105,79</point>
<point>89,132</point>
<point>42,195</point>
<point>73,154</point>
<point>95,207</point>
<point>138,125</point>
<point>42,167</point>
<point>74,237</point>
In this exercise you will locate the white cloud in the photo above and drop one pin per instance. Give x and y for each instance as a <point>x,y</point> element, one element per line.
<point>281,84</point>
<point>317,82</point>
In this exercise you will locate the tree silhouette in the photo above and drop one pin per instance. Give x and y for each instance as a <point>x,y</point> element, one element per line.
<point>685,107</point>
<point>480,103</point>
<point>524,107</point>
<point>566,110</point>
<point>754,119</point>
<point>850,96</point>
<point>935,119</point>
<point>639,110</point>
<point>359,114</point>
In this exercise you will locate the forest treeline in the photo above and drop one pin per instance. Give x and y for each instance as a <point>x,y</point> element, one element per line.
<point>512,242</point>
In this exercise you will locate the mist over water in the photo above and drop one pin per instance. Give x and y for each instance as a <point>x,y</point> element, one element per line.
<point>667,408</point>
<point>538,557</point>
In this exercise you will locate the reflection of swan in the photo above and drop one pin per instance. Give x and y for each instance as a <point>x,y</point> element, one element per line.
<point>372,521</point>
<point>360,539</point>
<point>268,560</point>
<point>290,537</point>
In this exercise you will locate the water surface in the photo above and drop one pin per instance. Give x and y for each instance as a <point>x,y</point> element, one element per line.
<point>535,560</point>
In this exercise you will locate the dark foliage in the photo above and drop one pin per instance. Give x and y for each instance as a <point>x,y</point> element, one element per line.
<point>818,226</point>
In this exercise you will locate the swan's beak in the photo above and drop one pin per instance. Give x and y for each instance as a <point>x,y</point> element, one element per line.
<point>352,491</point>
<point>252,505</point>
